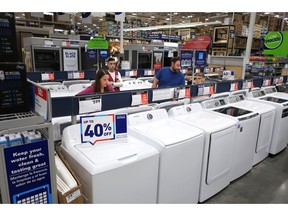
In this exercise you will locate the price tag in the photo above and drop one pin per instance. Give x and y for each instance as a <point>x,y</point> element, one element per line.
<point>153,72</point>
<point>103,127</point>
<point>211,90</point>
<point>200,90</point>
<point>144,97</point>
<point>232,87</point>
<point>81,75</point>
<point>252,84</point>
<point>136,99</point>
<point>87,105</point>
<point>47,76</point>
<point>281,80</point>
<point>187,92</point>
<point>76,75</point>
<point>206,90</point>
<point>236,86</point>
<point>127,73</point>
<point>161,94</point>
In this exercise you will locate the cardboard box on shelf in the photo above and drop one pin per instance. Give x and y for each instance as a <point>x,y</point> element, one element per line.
<point>284,72</point>
<point>238,17</point>
<point>74,196</point>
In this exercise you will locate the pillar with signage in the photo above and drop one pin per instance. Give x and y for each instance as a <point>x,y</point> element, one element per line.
<point>101,46</point>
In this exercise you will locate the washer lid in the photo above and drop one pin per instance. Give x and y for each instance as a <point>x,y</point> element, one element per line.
<point>254,106</point>
<point>233,111</point>
<point>275,99</point>
<point>168,131</point>
<point>108,151</point>
<point>208,121</point>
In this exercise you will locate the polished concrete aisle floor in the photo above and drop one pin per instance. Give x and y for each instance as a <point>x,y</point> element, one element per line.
<point>267,182</point>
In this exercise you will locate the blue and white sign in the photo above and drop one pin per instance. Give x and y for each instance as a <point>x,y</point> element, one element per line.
<point>28,173</point>
<point>186,58</point>
<point>200,58</point>
<point>103,127</point>
<point>103,53</point>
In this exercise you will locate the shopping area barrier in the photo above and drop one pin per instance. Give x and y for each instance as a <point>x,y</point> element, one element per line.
<point>69,105</point>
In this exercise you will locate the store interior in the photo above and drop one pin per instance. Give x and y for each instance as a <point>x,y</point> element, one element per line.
<point>220,138</point>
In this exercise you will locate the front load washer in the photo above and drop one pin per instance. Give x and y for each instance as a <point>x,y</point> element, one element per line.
<point>246,135</point>
<point>220,134</point>
<point>266,124</point>
<point>280,135</point>
<point>181,152</point>
<point>113,171</point>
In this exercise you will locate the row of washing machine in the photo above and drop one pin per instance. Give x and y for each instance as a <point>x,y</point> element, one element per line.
<point>185,154</point>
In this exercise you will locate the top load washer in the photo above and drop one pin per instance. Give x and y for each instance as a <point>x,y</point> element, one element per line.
<point>266,124</point>
<point>246,135</point>
<point>113,171</point>
<point>271,90</point>
<point>181,152</point>
<point>220,134</point>
<point>280,135</point>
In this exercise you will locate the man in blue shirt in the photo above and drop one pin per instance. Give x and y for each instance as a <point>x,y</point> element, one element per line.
<point>169,76</point>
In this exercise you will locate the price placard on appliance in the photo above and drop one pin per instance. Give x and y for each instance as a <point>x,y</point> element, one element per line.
<point>91,104</point>
<point>103,127</point>
<point>139,98</point>
<point>47,76</point>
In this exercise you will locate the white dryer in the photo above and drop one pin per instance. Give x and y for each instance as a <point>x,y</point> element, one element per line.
<point>220,134</point>
<point>266,124</point>
<point>280,135</point>
<point>76,88</point>
<point>246,135</point>
<point>113,171</point>
<point>181,152</point>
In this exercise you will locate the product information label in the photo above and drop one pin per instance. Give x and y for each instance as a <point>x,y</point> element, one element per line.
<point>70,59</point>
<point>28,173</point>
<point>41,104</point>
<point>139,98</point>
<point>87,105</point>
<point>104,127</point>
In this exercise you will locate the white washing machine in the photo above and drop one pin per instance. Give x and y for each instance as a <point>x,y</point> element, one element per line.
<point>220,134</point>
<point>133,84</point>
<point>113,171</point>
<point>246,134</point>
<point>280,135</point>
<point>266,124</point>
<point>76,88</point>
<point>181,152</point>
<point>271,90</point>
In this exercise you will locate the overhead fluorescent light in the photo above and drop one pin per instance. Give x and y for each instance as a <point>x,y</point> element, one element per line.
<point>48,13</point>
<point>167,19</point>
<point>60,30</point>
<point>180,25</point>
<point>206,19</point>
<point>134,14</point>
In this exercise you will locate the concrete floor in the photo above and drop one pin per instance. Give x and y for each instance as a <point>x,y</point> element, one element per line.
<point>267,182</point>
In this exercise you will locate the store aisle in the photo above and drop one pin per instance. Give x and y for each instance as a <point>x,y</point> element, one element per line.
<point>267,182</point>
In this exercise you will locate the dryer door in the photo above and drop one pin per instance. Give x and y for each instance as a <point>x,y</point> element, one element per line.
<point>220,152</point>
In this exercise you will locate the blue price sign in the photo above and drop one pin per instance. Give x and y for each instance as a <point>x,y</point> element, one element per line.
<point>97,128</point>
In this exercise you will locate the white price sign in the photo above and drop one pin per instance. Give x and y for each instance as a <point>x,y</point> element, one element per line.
<point>87,105</point>
<point>103,127</point>
<point>97,128</point>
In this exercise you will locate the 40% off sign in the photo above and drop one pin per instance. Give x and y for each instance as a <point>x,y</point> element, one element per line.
<point>97,128</point>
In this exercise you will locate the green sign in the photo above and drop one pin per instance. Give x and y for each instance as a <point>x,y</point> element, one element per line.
<point>273,40</point>
<point>276,44</point>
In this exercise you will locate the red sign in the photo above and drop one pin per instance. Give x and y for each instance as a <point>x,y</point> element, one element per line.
<point>144,98</point>
<point>211,90</point>
<point>41,93</point>
<point>187,92</point>
<point>200,43</point>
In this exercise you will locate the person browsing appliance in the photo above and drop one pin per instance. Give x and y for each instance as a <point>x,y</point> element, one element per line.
<point>169,76</point>
<point>100,85</point>
<point>114,76</point>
